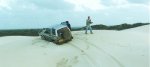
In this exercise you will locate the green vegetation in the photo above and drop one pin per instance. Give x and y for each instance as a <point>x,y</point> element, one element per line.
<point>20,32</point>
<point>34,32</point>
<point>115,27</point>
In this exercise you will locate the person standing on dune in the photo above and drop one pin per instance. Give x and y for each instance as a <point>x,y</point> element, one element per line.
<point>88,25</point>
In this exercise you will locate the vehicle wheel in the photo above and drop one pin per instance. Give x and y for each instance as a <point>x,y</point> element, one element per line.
<point>71,37</point>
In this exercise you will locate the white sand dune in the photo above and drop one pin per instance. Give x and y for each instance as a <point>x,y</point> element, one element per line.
<point>128,48</point>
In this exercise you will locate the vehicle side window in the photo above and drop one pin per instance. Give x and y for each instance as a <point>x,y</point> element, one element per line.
<point>53,31</point>
<point>46,31</point>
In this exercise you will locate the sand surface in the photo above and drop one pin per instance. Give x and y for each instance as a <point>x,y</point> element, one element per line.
<point>104,48</point>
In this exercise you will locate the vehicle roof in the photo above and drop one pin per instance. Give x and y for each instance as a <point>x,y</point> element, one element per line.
<point>59,26</point>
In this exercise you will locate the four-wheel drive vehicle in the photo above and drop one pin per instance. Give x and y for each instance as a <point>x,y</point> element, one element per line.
<point>58,34</point>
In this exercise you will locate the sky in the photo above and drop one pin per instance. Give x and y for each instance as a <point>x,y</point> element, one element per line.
<point>16,14</point>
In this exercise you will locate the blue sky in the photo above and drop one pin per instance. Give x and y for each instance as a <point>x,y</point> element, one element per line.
<point>44,13</point>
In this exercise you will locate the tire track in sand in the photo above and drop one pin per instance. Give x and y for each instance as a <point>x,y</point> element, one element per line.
<point>100,49</point>
<point>86,56</point>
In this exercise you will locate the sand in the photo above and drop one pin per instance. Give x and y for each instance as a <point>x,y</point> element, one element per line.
<point>104,48</point>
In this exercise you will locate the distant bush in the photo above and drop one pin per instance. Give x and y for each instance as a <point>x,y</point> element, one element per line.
<point>117,27</point>
<point>101,26</point>
<point>20,32</point>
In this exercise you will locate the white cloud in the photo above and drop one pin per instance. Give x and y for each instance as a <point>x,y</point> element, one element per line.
<point>6,4</point>
<point>34,5</point>
<point>30,6</point>
<point>15,4</point>
<point>51,4</point>
<point>81,5</point>
<point>119,2</point>
<point>48,12</point>
<point>96,5</point>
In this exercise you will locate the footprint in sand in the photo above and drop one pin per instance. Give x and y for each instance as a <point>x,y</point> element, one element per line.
<point>64,62</point>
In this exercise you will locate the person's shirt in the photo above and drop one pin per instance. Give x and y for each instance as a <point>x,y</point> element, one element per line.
<point>88,22</point>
